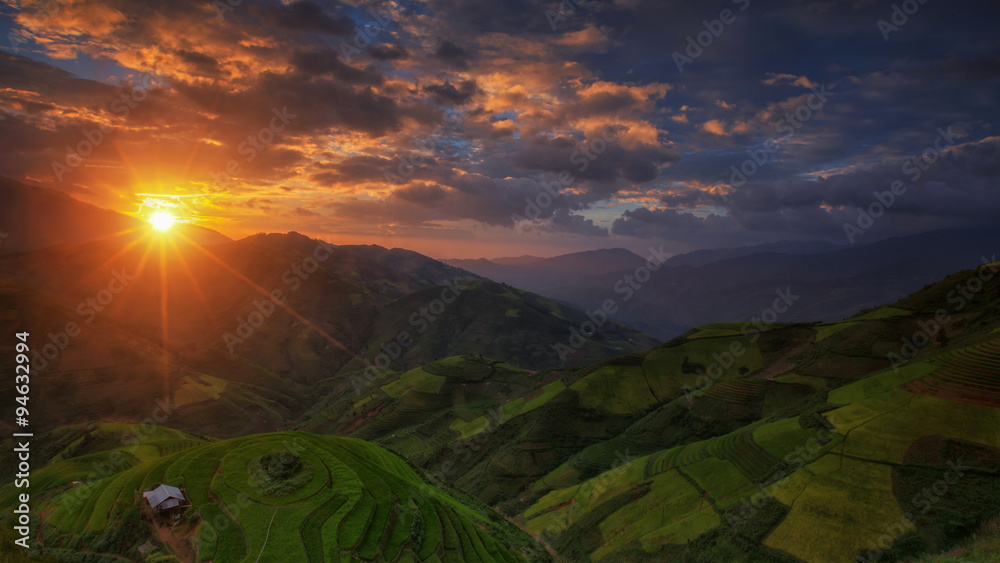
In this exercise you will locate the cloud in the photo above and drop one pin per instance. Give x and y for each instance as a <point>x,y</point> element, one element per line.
<point>779,79</point>
<point>450,95</point>
<point>590,38</point>
<point>308,16</point>
<point>523,104</point>
<point>956,191</point>
<point>452,55</point>
<point>714,126</point>
<point>327,62</point>
<point>388,52</point>
<point>565,222</point>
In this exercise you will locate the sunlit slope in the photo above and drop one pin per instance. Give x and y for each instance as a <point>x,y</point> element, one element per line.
<point>497,321</point>
<point>802,488</point>
<point>345,499</point>
<point>107,372</point>
<point>674,439</point>
<point>119,324</point>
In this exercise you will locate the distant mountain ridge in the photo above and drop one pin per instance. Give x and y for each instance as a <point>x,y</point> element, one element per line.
<point>245,318</point>
<point>518,260</point>
<point>707,256</point>
<point>717,285</point>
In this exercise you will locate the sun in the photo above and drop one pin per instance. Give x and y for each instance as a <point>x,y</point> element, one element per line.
<point>162,221</point>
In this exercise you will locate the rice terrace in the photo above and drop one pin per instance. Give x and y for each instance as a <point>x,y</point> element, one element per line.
<point>532,281</point>
<point>360,498</point>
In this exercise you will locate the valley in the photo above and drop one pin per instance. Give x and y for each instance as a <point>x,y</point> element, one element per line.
<point>733,438</point>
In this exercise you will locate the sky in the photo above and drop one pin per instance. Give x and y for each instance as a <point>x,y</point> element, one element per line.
<point>486,129</point>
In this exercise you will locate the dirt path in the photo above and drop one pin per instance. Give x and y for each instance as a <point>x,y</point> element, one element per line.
<point>181,546</point>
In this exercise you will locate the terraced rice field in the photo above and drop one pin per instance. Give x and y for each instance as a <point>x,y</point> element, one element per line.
<point>619,389</point>
<point>970,375</point>
<point>738,447</point>
<point>361,502</point>
<point>739,390</point>
<point>713,333</point>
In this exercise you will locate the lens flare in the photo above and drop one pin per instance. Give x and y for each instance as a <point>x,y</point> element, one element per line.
<point>162,221</point>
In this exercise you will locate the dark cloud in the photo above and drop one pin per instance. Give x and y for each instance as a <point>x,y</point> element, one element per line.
<point>355,169</point>
<point>452,55</point>
<point>529,99</point>
<point>593,159</point>
<point>562,221</point>
<point>305,15</point>
<point>388,52</point>
<point>205,64</point>
<point>448,94</point>
<point>320,104</point>
<point>983,67</point>
<point>328,62</point>
<point>957,190</point>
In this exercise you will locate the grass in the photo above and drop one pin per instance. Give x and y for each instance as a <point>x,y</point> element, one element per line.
<point>887,437</point>
<point>722,480</point>
<point>826,331</point>
<point>561,508</point>
<point>671,499</point>
<point>796,379</point>
<point>517,407</point>
<point>198,389</point>
<point>360,500</point>
<point>738,390</point>
<point>969,375</point>
<point>280,473</point>
<point>523,405</point>
<point>880,383</point>
<point>471,428</point>
<point>225,536</point>
<point>882,313</point>
<point>784,437</point>
<point>713,333</point>
<point>616,390</point>
<point>846,505</point>
<point>669,369</point>
<point>414,380</point>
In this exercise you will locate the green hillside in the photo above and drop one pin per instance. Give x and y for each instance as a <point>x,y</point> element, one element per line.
<point>881,464</point>
<point>333,499</point>
<point>872,439</point>
<point>656,455</point>
<point>357,306</point>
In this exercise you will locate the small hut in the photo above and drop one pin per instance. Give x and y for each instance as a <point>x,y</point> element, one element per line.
<point>166,503</point>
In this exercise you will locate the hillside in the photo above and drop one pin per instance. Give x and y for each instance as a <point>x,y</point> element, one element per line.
<point>633,457</point>
<point>273,497</point>
<point>243,336</point>
<point>845,473</point>
<point>739,442</point>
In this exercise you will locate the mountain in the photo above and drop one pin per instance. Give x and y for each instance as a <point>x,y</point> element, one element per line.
<point>734,442</point>
<point>871,437</point>
<point>548,275</point>
<point>517,261</point>
<point>688,291</point>
<point>287,496</point>
<point>707,256</point>
<point>238,335</point>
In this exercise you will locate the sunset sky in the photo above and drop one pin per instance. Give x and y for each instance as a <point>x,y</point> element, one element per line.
<point>490,99</point>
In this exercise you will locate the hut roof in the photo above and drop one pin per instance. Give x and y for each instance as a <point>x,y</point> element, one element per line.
<point>164,497</point>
